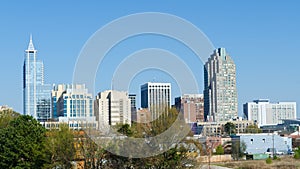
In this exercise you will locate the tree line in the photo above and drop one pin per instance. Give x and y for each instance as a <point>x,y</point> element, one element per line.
<point>25,143</point>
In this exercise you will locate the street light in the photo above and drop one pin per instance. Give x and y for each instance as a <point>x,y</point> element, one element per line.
<point>210,148</point>
<point>273,145</point>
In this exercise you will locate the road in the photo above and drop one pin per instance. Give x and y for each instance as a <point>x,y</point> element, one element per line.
<point>212,167</point>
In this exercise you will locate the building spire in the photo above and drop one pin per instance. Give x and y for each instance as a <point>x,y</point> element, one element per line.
<point>30,46</point>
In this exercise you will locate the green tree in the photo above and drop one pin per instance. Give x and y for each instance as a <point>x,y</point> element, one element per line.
<point>88,151</point>
<point>22,144</point>
<point>6,116</point>
<point>253,129</point>
<point>229,128</point>
<point>219,150</point>
<point>237,149</point>
<point>60,146</point>
<point>269,160</point>
<point>243,148</point>
<point>125,129</point>
<point>297,153</point>
<point>175,157</point>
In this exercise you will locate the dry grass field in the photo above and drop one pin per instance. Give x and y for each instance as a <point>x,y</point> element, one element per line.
<point>281,163</point>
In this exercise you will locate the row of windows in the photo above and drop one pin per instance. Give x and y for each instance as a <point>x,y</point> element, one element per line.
<point>263,141</point>
<point>77,96</point>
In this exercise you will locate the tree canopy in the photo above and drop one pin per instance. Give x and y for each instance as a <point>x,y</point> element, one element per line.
<point>22,144</point>
<point>6,116</point>
<point>25,143</point>
<point>60,147</point>
<point>253,129</point>
<point>229,128</point>
<point>219,150</point>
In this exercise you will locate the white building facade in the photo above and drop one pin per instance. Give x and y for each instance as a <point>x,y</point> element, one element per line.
<point>112,107</point>
<point>156,97</point>
<point>265,113</point>
<point>260,143</point>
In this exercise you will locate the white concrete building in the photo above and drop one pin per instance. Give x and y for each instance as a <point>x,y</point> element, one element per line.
<point>260,143</point>
<point>112,107</point>
<point>265,113</point>
<point>156,97</point>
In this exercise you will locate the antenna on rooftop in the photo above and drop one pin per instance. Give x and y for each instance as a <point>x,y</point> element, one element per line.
<point>154,79</point>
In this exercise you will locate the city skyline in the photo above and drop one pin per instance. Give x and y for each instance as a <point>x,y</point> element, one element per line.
<point>263,70</point>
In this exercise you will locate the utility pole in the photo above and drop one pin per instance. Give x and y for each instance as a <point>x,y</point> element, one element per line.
<point>273,144</point>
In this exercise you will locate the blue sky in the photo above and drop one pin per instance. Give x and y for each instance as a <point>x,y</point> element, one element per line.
<point>261,36</point>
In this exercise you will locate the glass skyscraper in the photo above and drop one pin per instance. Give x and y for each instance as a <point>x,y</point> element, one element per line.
<point>36,94</point>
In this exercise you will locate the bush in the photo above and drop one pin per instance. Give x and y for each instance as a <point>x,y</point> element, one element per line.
<point>297,155</point>
<point>277,158</point>
<point>268,160</point>
<point>219,150</point>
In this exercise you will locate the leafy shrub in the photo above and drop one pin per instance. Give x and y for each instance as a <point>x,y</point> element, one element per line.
<point>268,160</point>
<point>297,155</point>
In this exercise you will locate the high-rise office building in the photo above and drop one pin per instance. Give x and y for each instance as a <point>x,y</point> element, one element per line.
<point>192,107</point>
<point>112,107</point>
<point>73,104</point>
<point>132,98</point>
<point>156,97</point>
<point>220,94</point>
<point>263,112</point>
<point>36,94</point>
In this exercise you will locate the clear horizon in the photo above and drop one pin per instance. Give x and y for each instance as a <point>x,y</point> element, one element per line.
<point>261,37</point>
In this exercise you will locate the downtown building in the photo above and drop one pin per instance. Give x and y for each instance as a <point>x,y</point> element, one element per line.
<point>265,113</point>
<point>36,94</point>
<point>220,94</point>
<point>74,105</point>
<point>191,106</point>
<point>217,128</point>
<point>156,97</point>
<point>112,107</point>
<point>132,98</point>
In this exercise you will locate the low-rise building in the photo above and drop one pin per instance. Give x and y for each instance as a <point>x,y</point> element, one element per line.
<point>260,143</point>
<point>265,113</point>
<point>217,129</point>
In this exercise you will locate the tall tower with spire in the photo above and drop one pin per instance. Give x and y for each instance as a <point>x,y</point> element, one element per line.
<point>36,94</point>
